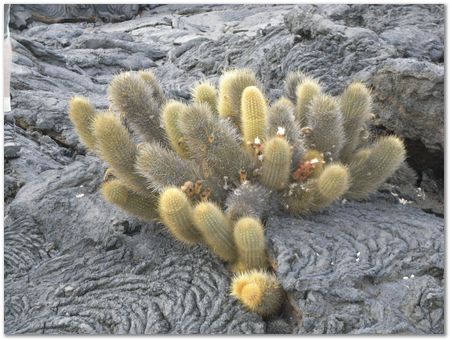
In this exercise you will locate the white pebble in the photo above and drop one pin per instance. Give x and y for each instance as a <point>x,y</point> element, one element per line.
<point>357,254</point>
<point>405,278</point>
<point>403,201</point>
<point>68,289</point>
<point>412,276</point>
<point>357,259</point>
<point>79,195</point>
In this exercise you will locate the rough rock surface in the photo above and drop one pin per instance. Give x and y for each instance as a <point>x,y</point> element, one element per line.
<point>74,264</point>
<point>362,268</point>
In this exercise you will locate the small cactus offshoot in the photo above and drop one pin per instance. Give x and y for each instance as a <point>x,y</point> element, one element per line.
<point>170,118</point>
<point>177,214</point>
<point>254,114</point>
<point>259,291</point>
<point>216,230</point>
<point>276,164</point>
<point>307,89</point>
<point>373,167</point>
<point>82,114</point>
<point>213,169</point>
<point>205,92</point>
<point>231,86</point>
<point>118,193</point>
<point>250,243</point>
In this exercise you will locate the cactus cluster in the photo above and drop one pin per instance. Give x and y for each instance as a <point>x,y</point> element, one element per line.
<point>211,170</point>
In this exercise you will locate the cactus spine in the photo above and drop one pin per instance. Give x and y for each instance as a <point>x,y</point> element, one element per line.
<point>276,164</point>
<point>306,91</point>
<point>372,169</point>
<point>253,115</point>
<point>216,230</point>
<point>231,86</point>
<point>259,291</point>
<point>144,207</point>
<point>250,243</point>
<point>170,118</point>
<point>177,214</point>
<point>82,114</point>
<point>206,93</point>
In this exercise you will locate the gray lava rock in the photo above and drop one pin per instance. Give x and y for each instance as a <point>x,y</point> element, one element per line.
<point>22,15</point>
<point>408,100</point>
<point>77,265</point>
<point>362,268</point>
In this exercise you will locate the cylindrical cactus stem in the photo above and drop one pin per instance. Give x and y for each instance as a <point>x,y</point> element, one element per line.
<point>133,95</point>
<point>253,115</point>
<point>282,103</point>
<point>214,144</point>
<point>332,184</point>
<point>258,291</point>
<point>370,169</point>
<point>361,155</point>
<point>355,105</point>
<point>327,133</point>
<point>248,200</point>
<point>306,91</point>
<point>276,165</point>
<point>205,92</point>
<point>82,114</point>
<point>293,79</point>
<point>216,230</point>
<point>238,267</point>
<point>299,197</point>
<point>231,85</point>
<point>250,243</point>
<point>282,122</point>
<point>115,145</point>
<point>143,207</point>
<point>170,118</point>
<point>162,167</point>
<point>176,212</point>
<point>154,86</point>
